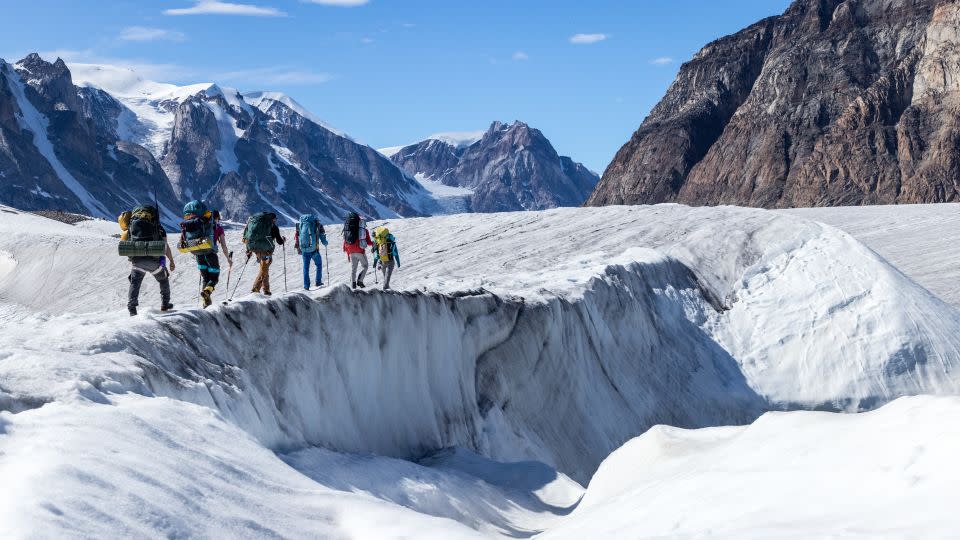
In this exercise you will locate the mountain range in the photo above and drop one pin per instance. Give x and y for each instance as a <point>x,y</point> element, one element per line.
<point>96,140</point>
<point>834,102</point>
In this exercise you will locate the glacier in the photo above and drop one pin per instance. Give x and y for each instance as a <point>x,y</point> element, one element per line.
<point>544,338</point>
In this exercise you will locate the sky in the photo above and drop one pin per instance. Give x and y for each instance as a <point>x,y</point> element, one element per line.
<point>392,72</point>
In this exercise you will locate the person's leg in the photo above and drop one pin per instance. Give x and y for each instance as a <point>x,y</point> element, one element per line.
<point>318,261</point>
<point>204,270</point>
<point>354,261</point>
<point>364,264</point>
<point>305,257</point>
<point>213,270</point>
<point>163,278</point>
<point>265,269</point>
<point>258,281</point>
<point>387,272</point>
<point>133,293</point>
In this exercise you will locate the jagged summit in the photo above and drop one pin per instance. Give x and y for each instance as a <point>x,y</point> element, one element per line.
<point>505,168</point>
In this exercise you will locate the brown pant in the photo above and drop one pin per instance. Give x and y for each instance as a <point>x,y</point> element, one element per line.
<point>265,259</point>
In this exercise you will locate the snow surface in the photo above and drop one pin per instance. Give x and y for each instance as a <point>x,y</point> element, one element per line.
<point>518,351</point>
<point>889,473</point>
<point>457,139</point>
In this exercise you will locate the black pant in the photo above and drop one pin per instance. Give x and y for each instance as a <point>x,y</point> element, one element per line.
<point>209,265</point>
<point>141,266</point>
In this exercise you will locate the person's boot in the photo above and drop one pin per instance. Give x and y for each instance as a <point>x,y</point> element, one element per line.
<point>166,307</point>
<point>206,295</point>
<point>353,285</point>
<point>132,310</point>
<point>360,284</point>
<point>267,293</point>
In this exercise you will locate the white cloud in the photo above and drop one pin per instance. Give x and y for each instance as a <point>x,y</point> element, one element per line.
<point>274,75</point>
<point>587,39</point>
<point>216,7</point>
<point>520,56</point>
<point>339,3</point>
<point>143,33</point>
<point>366,40</point>
<point>662,61</point>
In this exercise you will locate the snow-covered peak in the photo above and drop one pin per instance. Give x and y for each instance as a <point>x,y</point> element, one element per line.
<point>264,100</point>
<point>458,139</point>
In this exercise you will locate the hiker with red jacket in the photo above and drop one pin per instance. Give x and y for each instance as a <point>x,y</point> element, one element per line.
<point>356,238</point>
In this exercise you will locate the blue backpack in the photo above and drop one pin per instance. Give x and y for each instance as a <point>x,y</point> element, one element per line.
<point>309,232</point>
<point>197,229</point>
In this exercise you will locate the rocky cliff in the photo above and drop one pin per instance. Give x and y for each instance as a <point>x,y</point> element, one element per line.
<point>509,167</point>
<point>834,102</point>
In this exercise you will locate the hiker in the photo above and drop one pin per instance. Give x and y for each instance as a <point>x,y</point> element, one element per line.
<point>385,253</point>
<point>260,237</point>
<point>201,235</point>
<point>356,238</point>
<point>310,235</point>
<point>144,242</point>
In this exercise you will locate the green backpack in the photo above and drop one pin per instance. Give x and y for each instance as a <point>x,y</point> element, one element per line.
<point>258,232</point>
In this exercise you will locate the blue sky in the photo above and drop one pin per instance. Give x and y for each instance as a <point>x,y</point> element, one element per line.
<point>391,72</point>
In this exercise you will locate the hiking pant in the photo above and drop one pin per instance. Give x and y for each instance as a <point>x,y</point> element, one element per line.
<point>317,260</point>
<point>387,272</point>
<point>140,267</point>
<point>209,266</point>
<point>355,259</point>
<point>265,259</point>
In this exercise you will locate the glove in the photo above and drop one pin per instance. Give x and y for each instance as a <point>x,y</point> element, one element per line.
<point>298,251</point>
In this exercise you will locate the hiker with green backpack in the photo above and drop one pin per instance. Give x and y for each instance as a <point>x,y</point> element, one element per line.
<point>260,237</point>
<point>145,244</point>
<point>307,240</point>
<point>200,235</point>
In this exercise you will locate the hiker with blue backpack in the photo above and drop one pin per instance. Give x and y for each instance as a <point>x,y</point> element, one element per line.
<point>310,235</point>
<point>200,234</point>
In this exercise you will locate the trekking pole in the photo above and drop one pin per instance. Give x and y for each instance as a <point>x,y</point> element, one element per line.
<point>284,246</point>
<point>239,278</point>
<point>326,252</point>
<point>226,290</point>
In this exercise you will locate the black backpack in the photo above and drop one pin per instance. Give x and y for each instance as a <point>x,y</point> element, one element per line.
<point>351,228</point>
<point>145,224</point>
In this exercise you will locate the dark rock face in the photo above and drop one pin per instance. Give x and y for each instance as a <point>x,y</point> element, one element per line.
<point>512,167</point>
<point>835,102</point>
<point>40,107</point>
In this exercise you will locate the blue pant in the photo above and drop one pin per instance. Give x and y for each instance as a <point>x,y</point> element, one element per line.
<point>315,257</point>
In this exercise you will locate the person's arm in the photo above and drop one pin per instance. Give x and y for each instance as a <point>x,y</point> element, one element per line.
<point>222,239</point>
<point>166,248</point>
<point>296,237</point>
<point>276,235</point>
<point>321,234</point>
<point>396,253</point>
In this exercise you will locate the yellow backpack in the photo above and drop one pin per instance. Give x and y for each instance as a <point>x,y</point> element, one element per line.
<point>384,247</point>
<point>124,221</point>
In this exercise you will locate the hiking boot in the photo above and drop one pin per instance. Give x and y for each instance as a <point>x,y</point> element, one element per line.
<point>267,293</point>
<point>166,307</point>
<point>133,311</point>
<point>386,287</point>
<point>205,296</point>
<point>360,284</point>
<point>320,284</point>
<point>354,285</point>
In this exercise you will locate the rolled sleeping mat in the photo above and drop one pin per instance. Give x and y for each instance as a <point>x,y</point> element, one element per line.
<point>133,248</point>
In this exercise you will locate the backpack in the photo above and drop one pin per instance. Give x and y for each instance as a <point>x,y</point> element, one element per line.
<point>144,224</point>
<point>197,230</point>
<point>258,233</point>
<point>384,241</point>
<point>144,235</point>
<point>351,228</point>
<point>308,231</point>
